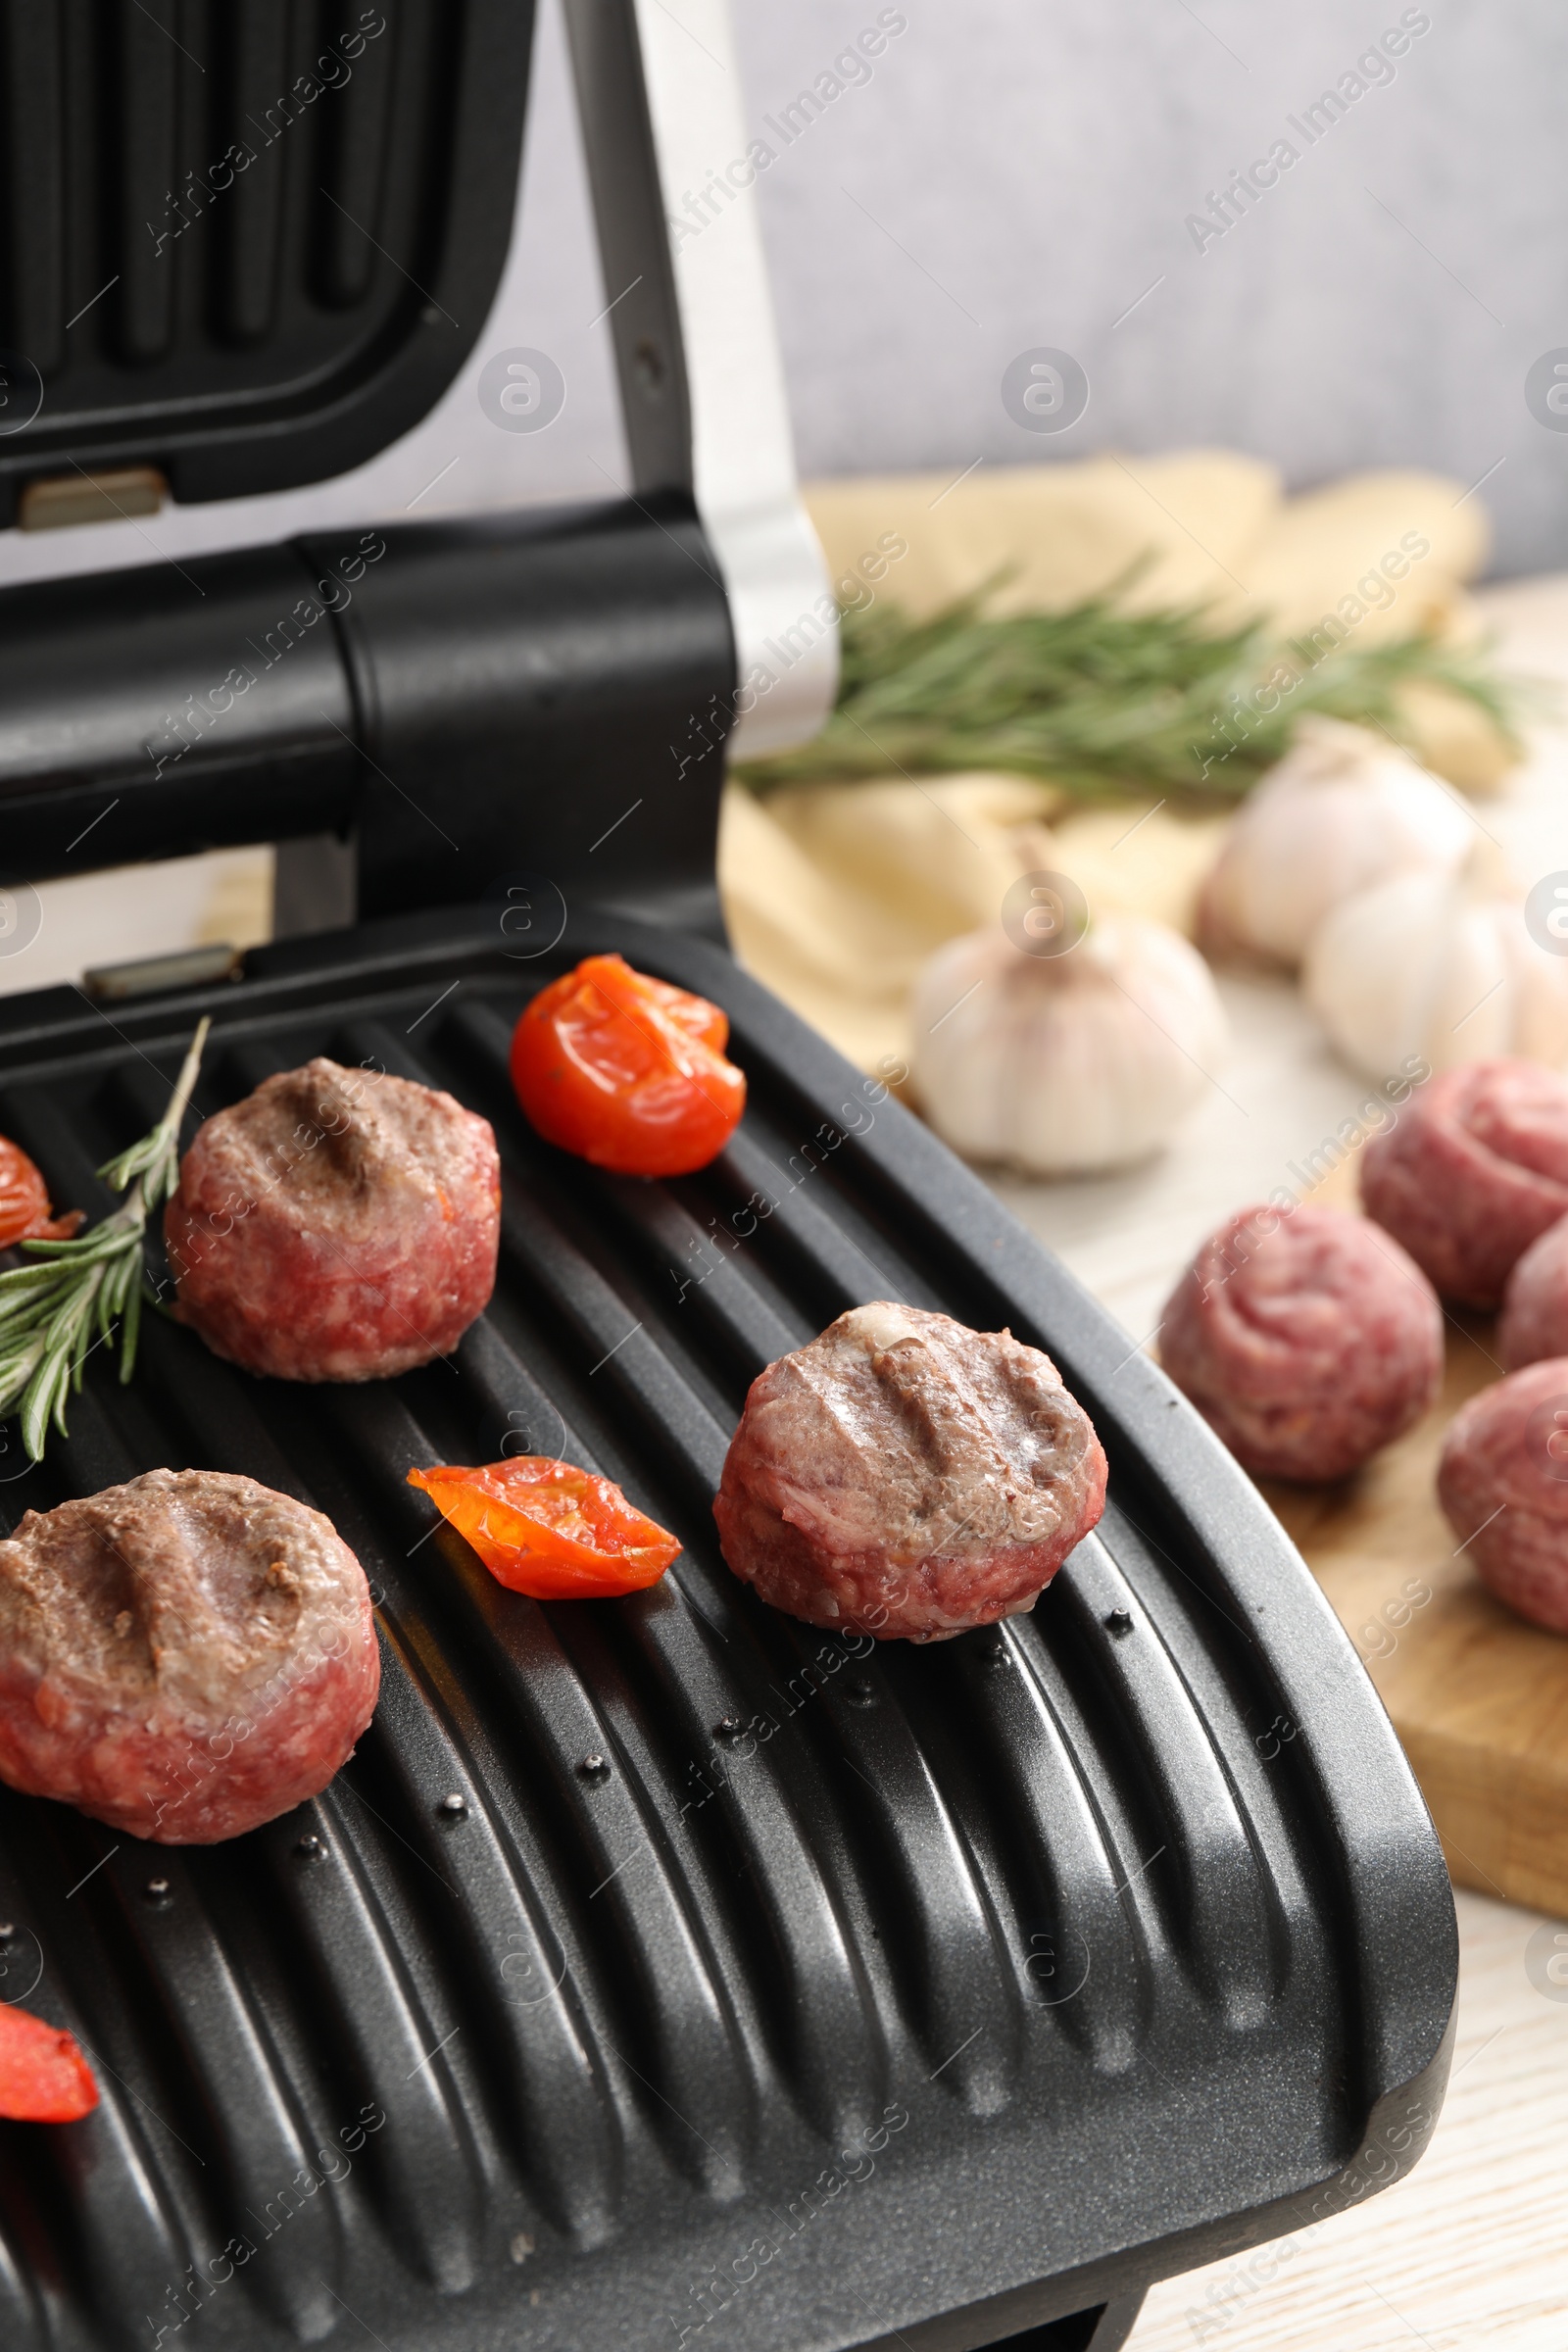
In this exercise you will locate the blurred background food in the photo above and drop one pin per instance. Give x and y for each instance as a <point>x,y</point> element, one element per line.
<point>1041,678</point>
<point>1062,1064</point>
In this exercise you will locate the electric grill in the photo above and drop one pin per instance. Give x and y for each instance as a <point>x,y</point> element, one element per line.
<point>659,1972</point>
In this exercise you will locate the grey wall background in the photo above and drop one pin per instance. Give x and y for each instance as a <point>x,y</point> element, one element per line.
<point>1016,175</point>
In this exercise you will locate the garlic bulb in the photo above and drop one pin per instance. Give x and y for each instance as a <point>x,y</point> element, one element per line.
<point>1061,1065</point>
<point>1344,810</point>
<point>1438,966</point>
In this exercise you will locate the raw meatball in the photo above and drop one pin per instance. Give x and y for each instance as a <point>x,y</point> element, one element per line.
<point>184,1658</point>
<point>1475,1169</point>
<point>1534,1306</point>
<point>907,1477</point>
<point>1305,1338</point>
<point>336,1225</point>
<point>1502,1479</point>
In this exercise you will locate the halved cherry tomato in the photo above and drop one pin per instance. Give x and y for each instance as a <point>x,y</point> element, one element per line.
<point>628,1072</point>
<point>549,1529</point>
<point>44,2078</point>
<point>25,1214</point>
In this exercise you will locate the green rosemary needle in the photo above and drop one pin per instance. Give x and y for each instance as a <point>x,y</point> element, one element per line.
<point>1104,703</point>
<point>54,1313</point>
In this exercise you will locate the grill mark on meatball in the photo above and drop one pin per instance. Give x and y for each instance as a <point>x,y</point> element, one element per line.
<point>945,1406</point>
<point>937,1405</point>
<point>926,1442</point>
<point>154,1614</point>
<point>346,1168</point>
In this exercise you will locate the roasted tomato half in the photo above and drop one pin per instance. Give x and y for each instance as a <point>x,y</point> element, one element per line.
<point>550,1530</point>
<point>44,2078</point>
<point>628,1072</point>
<point>25,1212</point>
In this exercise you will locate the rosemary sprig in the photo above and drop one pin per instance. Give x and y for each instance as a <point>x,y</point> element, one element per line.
<point>55,1312</point>
<point>1104,703</point>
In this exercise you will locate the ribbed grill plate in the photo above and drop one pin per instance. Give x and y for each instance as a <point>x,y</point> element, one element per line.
<point>1027,1967</point>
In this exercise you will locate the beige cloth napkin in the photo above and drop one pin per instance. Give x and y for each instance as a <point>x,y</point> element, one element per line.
<point>1215,529</point>
<point>836,894</point>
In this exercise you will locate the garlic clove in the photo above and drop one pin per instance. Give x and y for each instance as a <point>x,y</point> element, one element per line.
<point>1342,810</point>
<point>1440,967</point>
<point>1066,1063</point>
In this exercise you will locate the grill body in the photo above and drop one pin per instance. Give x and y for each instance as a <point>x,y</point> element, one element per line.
<point>855,1994</point>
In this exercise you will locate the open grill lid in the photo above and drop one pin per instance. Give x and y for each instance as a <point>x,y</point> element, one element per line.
<point>238,239</point>
<point>856,1992</point>
<point>495,693</point>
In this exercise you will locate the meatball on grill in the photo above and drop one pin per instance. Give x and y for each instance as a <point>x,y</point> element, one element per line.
<point>184,1656</point>
<point>336,1225</point>
<point>907,1477</point>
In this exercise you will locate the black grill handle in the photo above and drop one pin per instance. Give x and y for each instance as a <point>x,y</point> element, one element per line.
<point>468,701</point>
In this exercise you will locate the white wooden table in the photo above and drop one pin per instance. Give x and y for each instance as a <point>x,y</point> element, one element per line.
<point>1472,2249</point>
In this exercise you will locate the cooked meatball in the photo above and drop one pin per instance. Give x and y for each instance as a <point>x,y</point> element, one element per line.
<point>336,1225</point>
<point>1534,1322</point>
<point>184,1656</point>
<point>1475,1169</point>
<point>1503,1479</point>
<point>906,1477</point>
<point>1306,1339</point>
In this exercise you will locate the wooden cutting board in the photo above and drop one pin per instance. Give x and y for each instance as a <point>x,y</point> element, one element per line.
<point>1478,1697</point>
